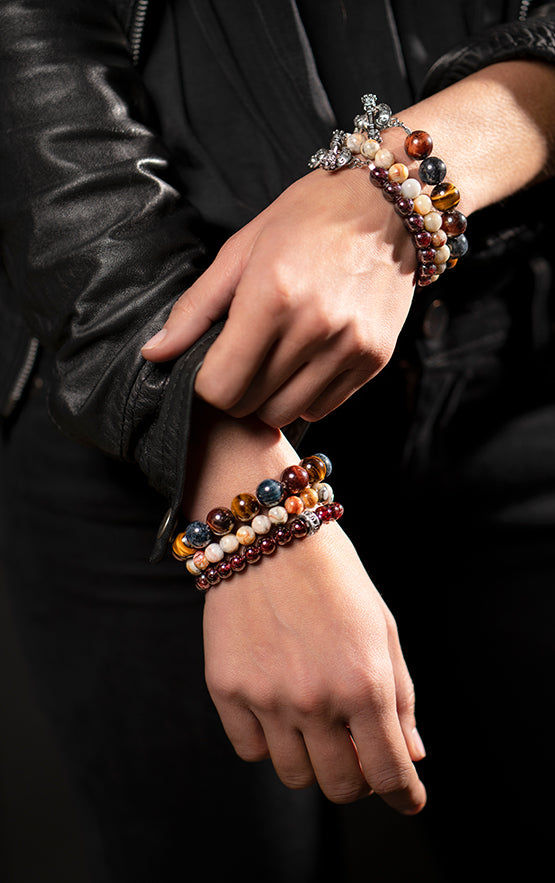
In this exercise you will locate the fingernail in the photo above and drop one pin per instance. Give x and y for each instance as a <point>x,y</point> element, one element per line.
<point>154,341</point>
<point>418,744</point>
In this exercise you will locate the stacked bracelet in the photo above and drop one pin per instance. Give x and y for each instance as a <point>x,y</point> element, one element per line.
<point>255,525</point>
<point>433,220</point>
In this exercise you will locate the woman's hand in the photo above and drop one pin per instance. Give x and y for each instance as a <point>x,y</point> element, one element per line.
<point>304,666</point>
<point>316,289</point>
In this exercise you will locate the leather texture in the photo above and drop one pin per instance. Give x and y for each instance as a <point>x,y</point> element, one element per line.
<point>98,239</point>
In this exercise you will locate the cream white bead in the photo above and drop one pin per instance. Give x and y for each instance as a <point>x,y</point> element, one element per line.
<point>355,141</point>
<point>398,173</point>
<point>411,188</point>
<point>432,221</point>
<point>229,543</point>
<point>370,148</point>
<point>214,552</point>
<point>324,491</point>
<point>278,515</point>
<point>384,158</point>
<point>439,238</point>
<point>261,524</point>
<point>192,567</point>
<point>423,204</point>
<point>246,535</point>
<point>443,254</point>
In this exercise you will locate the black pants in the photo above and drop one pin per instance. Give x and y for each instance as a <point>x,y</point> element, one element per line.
<point>459,539</point>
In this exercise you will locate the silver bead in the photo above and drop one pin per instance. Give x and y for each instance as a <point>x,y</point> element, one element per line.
<point>382,115</point>
<point>312,521</point>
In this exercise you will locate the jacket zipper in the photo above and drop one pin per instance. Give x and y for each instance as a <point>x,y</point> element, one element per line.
<point>136,29</point>
<point>20,381</point>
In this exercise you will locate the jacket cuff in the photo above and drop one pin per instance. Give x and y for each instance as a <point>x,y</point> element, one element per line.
<point>533,38</point>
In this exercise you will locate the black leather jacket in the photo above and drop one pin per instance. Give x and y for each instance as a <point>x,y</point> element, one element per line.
<point>98,239</point>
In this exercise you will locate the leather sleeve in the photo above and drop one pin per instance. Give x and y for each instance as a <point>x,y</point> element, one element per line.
<point>531,38</point>
<point>97,240</point>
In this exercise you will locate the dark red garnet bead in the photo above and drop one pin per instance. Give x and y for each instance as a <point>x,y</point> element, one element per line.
<point>298,528</point>
<point>282,536</point>
<point>422,239</point>
<point>267,545</point>
<point>252,553</point>
<point>378,176</point>
<point>414,222</point>
<point>224,569</point>
<point>238,563</point>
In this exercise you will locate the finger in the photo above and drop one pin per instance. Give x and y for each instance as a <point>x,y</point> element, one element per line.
<point>385,761</point>
<point>289,756</point>
<point>404,691</point>
<point>243,731</point>
<point>335,762</point>
<point>206,301</point>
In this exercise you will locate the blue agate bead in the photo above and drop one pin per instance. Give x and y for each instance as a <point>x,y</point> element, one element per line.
<point>270,492</point>
<point>432,170</point>
<point>458,245</point>
<point>198,534</point>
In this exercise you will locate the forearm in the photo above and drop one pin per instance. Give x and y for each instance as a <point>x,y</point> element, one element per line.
<point>495,129</point>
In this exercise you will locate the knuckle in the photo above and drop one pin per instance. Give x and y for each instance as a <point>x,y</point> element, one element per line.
<point>297,780</point>
<point>392,781</point>
<point>346,792</point>
<point>251,753</point>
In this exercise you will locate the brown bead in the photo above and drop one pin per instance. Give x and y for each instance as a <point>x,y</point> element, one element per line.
<point>419,144</point>
<point>445,196</point>
<point>180,549</point>
<point>454,223</point>
<point>220,521</point>
<point>295,478</point>
<point>315,467</point>
<point>245,506</point>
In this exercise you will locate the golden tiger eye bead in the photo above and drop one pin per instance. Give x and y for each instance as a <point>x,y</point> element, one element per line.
<point>245,506</point>
<point>309,497</point>
<point>315,467</point>
<point>445,196</point>
<point>180,549</point>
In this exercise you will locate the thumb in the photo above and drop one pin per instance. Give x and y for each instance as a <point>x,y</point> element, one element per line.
<point>206,301</point>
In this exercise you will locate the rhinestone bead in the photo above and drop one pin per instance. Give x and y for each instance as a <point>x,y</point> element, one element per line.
<point>418,144</point>
<point>432,170</point>
<point>245,506</point>
<point>295,478</point>
<point>220,521</point>
<point>445,196</point>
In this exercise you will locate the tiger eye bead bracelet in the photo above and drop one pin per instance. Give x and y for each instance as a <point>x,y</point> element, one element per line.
<point>255,525</point>
<point>436,226</point>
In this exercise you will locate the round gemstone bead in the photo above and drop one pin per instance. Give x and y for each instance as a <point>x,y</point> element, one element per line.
<point>445,196</point>
<point>246,535</point>
<point>293,505</point>
<point>411,188</point>
<point>432,221</point>
<point>220,521</point>
<point>378,176</point>
<point>391,191</point>
<point>418,144</point>
<point>338,510</point>
<point>414,222</point>
<point>253,554</point>
<point>327,463</point>
<point>432,170</point>
<point>245,506</point>
<point>370,148</point>
<point>325,492</point>
<point>325,513</point>
<point>298,528</point>
<point>200,560</point>
<point>427,270</point>
<point>278,514</point>
<point>212,575</point>
<point>282,536</point>
<point>426,255</point>
<point>354,141</point>
<point>458,245</point>
<point>309,496</point>
<point>214,553</point>
<point>198,534</point>
<point>225,570</point>
<point>261,524</point>
<point>270,492</point>
<point>268,545</point>
<point>443,253</point>
<point>237,563</point>
<point>404,206</point>
<point>192,567</point>
<point>315,467</point>
<point>384,158</point>
<point>180,549</point>
<point>422,239</point>
<point>202,583</point>
<point>439,238</point>
<point>398,172</point>
<point>423,204</point>
<point>229,543</point>
<point>295,478</point>
<point>454,223</point>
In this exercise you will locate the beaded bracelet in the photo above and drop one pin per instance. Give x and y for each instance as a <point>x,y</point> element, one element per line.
<point>436,225</point>
<point>292,508</point>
